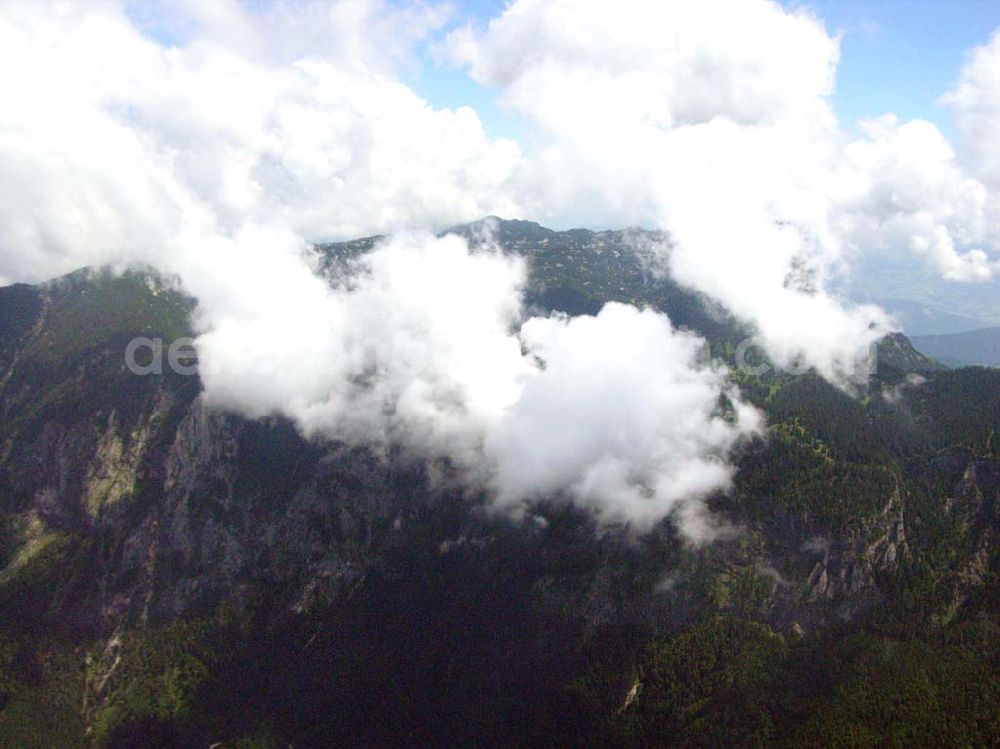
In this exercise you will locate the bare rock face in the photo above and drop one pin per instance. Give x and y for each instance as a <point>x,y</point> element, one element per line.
<point>846,579</point>
<point>847,574</point>
<point>854,564</point>
<point>975,506</point>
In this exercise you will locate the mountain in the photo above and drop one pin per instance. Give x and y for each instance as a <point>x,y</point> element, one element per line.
<point>921,301</point>
<point>972,347</point>
<point>918,318</point>
<point>174,576</point>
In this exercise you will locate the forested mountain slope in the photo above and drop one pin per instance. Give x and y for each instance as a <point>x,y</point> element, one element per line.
<point>175,576</point>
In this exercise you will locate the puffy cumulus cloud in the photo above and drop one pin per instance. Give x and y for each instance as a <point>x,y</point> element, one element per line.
<point>675,61</point>
<point>621,416</point>
<point>114,144</point>
<point>723,133</point>
<point>416,346</point>
<point>903,187</point>
<point>976,103</point>
<point>616,88</point>
<point>79,184</point>
<point>356,34</point>
<point>328,153</point>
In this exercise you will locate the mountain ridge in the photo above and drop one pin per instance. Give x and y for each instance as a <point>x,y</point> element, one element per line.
<point>192,576</point>
<point>979,347</point>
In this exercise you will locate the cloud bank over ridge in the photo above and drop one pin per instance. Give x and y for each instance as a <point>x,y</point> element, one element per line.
<point>217,141</point>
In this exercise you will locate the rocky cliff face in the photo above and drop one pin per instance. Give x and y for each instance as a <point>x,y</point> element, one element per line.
<point>974,507</point>
<point>848,570</point>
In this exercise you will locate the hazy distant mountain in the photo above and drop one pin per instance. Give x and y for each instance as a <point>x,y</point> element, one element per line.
<point>980,347</point>
<point>922,302</point>
<point>917,318</point>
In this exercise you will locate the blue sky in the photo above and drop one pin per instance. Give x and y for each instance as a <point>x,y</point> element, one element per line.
<point>897,56</point>
<point>900,56</point>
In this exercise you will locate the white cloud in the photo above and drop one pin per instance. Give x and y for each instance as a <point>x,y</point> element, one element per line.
<point>419,348</point>
<point>114,144</point>
<point>677,62</point>
<point>713,120</point>
<point>903,188</point>
<point>358,35</point>
<point>622,416</point>
<point>976,103</point>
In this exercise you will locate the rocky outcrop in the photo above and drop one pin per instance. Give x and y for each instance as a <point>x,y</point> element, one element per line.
<point>848,570</point>
<point>974,506</point>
